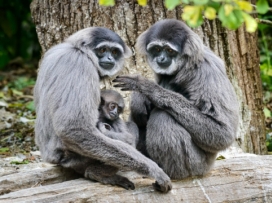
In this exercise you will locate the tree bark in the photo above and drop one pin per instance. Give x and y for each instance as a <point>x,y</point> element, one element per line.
<point>56,20</point>
<point>244,179</point>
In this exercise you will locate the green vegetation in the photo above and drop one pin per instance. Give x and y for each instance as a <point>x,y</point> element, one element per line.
<point>19,54</point>
<point>232,13</point>
<point>17,33</point>
<point>265,47</point>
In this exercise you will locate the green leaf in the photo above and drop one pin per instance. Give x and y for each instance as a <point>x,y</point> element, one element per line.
<point>245,6</point>
<point>228,8</point>
<point>185,1</point>
<point>200,2</point>
<point>4,149</point>
<point>2,95</point>
<point>171,4</point>
<point>251,24</point>
<point>239,16</point>
<point>193,15</point>
<point>19,93</point>
<point>30,106</point>
<point>262,6</point>
<point>142,2</point>
<point>230,17</point>
<point>20,162</point>
<point>210,13</point>
<point>215,5</point>
<point>221,157</point>
<point>267,113</point>
<point>106,2</point>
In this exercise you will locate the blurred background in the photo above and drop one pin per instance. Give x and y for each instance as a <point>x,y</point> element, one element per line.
<point>19,56</point>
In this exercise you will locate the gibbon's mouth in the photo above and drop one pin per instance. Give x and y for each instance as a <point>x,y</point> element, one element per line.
<point>113,116</point>
<point>107,65</point>
<point>164,65</point>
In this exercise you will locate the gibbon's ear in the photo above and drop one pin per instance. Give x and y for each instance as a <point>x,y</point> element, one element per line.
<point>102,102</point>
<point>194,47</point>
<point>141,43</point>
<point>127,52</point>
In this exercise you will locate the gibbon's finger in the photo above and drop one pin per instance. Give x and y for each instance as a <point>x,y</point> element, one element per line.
<point>116,80</point>
<point>121,77</point>
<point>127,89</point>
<point>123,80</point>
<point>127,76</point>
<point>120,85</point>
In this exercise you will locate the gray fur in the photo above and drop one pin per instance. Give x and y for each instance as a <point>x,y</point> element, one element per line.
<point>192,111</point>
<point>67,97</point>
<point>118,129</point>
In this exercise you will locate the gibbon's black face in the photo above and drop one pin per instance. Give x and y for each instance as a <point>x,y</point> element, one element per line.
<point>163,55</point>
<point>163,45</point>
<point>108,56</point>
<point>104,47</point>
<point>111,110</point>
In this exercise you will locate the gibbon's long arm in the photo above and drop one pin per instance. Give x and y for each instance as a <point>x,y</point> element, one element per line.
<point>208,133</point>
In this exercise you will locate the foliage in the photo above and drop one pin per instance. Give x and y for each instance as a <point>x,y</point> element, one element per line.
<point>17,112</point>
<point>106,2</point>
<point>232,13</point>
<point>21,82</point>
<point>17,33</point>
<point>265,47</point>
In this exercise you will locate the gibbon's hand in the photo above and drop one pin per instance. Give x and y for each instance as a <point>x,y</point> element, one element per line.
<point>103,127</point>
<point>128,83</point>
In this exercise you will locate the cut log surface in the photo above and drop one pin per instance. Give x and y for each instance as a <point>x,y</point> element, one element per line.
<point>240,179</point>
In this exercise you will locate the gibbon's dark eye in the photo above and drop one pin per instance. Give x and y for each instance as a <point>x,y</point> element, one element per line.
<point>102,50</point>
<point>154,50</point>
<point>157,49</point>
<point>114,52</point>
<point>170,50</point>
<point>112,106</point>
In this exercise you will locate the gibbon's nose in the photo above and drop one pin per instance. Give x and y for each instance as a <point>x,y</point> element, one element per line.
<point>163,62</point>
<point>110,58</point>
<point>114,115</point>
<point>161,59</point>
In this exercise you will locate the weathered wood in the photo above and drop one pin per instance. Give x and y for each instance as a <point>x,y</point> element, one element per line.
<point>31,175</point>
<point>242,179</point>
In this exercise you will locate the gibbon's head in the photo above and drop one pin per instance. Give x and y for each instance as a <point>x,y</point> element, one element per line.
<point>168,44</point>
<point>104,47</point>
<point>112,104</point>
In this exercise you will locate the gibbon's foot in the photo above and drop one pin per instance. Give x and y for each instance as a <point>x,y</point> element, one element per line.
<point>162,188</point>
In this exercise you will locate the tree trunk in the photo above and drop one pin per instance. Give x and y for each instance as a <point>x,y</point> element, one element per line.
<point>56,20</point>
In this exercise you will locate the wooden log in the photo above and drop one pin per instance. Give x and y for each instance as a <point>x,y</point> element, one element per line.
<point>33,175</point>
<point>241,179</point>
